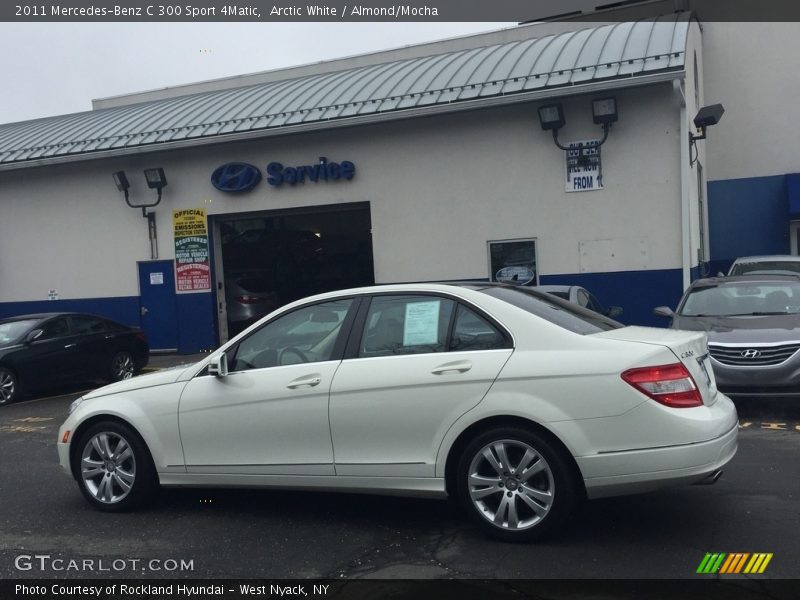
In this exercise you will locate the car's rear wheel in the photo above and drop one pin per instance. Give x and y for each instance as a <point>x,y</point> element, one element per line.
<point>9,386</point>
<point>113,467</point>
<point>123,366</point>
<point>515,485</point>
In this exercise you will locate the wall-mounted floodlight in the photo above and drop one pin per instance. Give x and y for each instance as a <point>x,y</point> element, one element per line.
<point>156,179</point>
<point>706,117</point>
<point>121,180</point>
<point>551,117</point>
<point>604,110</point>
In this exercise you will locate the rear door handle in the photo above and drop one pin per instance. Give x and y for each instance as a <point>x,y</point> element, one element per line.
<point>459,366</point>
<point>70,346</point>
<point>306,381</point>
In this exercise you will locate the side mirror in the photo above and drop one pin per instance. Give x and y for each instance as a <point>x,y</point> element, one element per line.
<point>614,311</point>
<point>663,311</point>
<point>720,274</point>
<point>218,367</point>
<point>33,335</point>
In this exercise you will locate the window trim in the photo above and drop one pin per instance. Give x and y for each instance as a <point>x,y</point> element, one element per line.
<point>357,332</point>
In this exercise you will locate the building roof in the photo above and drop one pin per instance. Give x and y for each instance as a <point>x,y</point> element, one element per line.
<point>515,71</point>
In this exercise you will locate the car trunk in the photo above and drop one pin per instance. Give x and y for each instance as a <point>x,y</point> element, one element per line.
<point>690,347</point>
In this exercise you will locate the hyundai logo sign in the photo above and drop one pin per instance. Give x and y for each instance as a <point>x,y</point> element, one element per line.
<point>235,177</point>
<point>521,275</point>
<point>751,353</point>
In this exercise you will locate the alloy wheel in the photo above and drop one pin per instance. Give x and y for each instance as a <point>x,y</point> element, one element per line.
<point>108,467</point>
<point>8,386</point>
<point>511,484</point>
<point>123,366</point>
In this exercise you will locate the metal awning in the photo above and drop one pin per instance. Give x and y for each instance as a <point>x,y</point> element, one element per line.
<point>518,71</point>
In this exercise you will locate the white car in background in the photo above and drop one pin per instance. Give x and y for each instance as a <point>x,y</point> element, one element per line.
<point>779,264</point>
<point>517,403</point>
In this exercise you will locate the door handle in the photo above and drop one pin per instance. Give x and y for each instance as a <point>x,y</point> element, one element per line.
<point>307,381</point>
<point>70,346</point>
<point>460,366</point>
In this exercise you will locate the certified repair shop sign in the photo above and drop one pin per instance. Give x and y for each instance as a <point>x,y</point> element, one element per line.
<point>584,167</point>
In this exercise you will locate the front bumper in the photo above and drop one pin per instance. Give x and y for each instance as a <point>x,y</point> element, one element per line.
<point>634,471</point>
<point>782,379</point>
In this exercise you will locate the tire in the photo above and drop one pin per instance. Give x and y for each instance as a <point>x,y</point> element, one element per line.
<point>515,484</point>
<point>113,467</point>
<point>9,386</point>
<point>123,366</point>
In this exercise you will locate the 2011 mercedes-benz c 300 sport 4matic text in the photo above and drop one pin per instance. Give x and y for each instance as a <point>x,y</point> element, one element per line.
<point>517,403</point>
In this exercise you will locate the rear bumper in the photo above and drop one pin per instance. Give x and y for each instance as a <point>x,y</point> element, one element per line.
<point>635,471</point>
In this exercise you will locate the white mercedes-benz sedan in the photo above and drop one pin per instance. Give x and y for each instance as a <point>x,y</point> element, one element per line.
<point>517,403</point>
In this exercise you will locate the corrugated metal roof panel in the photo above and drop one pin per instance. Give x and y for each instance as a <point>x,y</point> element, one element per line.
<point>576,57</point>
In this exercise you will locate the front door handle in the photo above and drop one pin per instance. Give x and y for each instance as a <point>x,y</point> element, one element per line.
<point>70,346</point>
<point>305,381</point>
<point>459,366</point>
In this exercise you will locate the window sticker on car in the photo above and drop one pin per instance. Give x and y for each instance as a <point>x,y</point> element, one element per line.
<point>421,323</point>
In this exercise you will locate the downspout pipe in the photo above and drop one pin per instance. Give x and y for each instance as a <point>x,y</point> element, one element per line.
<point>686,235</point>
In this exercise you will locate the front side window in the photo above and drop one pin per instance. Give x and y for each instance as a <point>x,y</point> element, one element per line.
<point>54,329</point>
<point>302,336</point>
<point>406,325</point>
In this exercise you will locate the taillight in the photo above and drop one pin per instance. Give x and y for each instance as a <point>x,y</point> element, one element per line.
<point>671,385</point>
<point>139,335</point>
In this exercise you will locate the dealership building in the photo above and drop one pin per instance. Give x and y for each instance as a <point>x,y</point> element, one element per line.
<point>557,152</point>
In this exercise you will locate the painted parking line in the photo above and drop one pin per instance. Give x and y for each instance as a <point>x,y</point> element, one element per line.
<point>770,425</point>
<point>76,394</point>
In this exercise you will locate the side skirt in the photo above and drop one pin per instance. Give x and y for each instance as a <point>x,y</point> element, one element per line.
<point>418,487</point>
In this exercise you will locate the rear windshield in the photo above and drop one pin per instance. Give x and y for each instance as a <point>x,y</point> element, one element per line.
<point>559,312</point>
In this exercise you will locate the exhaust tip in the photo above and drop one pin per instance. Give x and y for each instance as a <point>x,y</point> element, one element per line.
<point>711,478</point>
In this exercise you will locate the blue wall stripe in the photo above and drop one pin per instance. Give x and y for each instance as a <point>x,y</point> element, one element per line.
<point>637,292</point>
<point>124,309</point>
<point>196,317</point>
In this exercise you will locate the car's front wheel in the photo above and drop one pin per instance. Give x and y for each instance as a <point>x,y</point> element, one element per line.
<point>9,386</point>
<point>515,485</point>
<point>113,467</point>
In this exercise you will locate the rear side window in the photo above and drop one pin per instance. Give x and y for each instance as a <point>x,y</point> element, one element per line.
<point>559,312</point>
<point>473,332</point>
<point>406,325</point>
<point>84,325</point>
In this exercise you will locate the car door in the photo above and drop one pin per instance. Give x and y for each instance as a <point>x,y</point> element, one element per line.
<point>414,365</point>
<point>269,414</point>
<point>93,345</point>
<point>49,359</point>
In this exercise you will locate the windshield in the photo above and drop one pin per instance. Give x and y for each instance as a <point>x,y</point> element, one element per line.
<point>742,299</point>
<point>11,330</point>
<point>767,266</point>
<point>560,312</point>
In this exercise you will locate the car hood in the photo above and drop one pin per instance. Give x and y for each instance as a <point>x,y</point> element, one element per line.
<point>136,383</point>
<point>743,330</point>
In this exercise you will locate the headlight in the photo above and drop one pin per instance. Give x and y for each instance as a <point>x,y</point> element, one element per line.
<point>75,404</point>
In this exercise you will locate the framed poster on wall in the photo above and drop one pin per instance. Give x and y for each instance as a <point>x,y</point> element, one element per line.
<point>513,261</point>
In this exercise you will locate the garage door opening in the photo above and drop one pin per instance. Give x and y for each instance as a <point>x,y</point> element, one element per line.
<point>272,258</point>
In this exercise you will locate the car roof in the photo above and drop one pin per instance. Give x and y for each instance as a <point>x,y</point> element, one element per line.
<point>50,315</point>
<point>750,279</point>
<point>765,258</point>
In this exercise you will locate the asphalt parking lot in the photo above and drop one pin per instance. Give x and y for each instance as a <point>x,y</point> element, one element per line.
<point>753,508</point>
